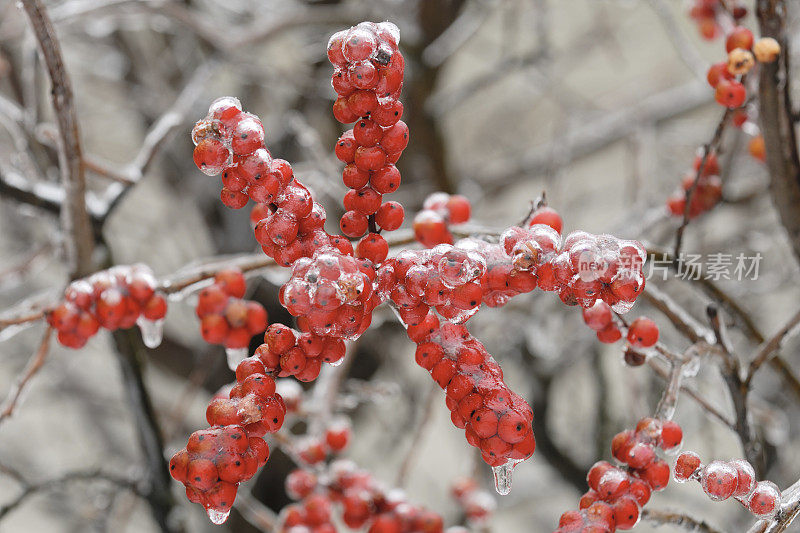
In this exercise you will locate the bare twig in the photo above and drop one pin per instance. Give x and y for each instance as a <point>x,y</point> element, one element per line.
<point>29,489</point>
<point>33,367</point>
<point>419,433</point>
<point>74,216</point>
<point>660,518</point>
<point>772,345</point>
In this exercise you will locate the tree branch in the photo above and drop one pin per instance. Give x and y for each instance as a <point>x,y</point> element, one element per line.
<point>74,216</point>
<point>777,122</point>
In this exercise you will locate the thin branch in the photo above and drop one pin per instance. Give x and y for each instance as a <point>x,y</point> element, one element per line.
<point>36,362</point>
<point>74,215</point>
<point>661,518</point>
<point>30,489</point>
<point>419,434</point>
<point>773,345</point>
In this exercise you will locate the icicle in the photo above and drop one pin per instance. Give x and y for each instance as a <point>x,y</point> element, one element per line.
<point>502,477</point>
<point>235,356</point>
<point>217,517</point>
<point>152,331</point>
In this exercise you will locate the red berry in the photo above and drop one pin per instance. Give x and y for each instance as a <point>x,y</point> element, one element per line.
<point>354,224</point>
<point>730,94</point>
<point>719,480</point>
<point>643,333</point>
<point>390,216</point>
<point>740,37</point>
<point>210,156</point>
<point>458,208</point>
<point>372,247</point>
<point>547,216</point>
<point>718,72</point>
<point>686,465</point>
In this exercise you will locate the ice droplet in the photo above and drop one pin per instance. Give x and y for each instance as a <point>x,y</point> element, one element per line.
<point>502,477</point>
<point>217,517</point>
<point>152,331</point>
<point>235,356</point>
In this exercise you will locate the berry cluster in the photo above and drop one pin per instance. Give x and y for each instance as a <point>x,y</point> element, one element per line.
<point>365,504</point>
<point>225,318</point>
<point>496,420</point>
<point>291,223</point>
<point>333,288</point>
<point>642,332</point>
<point>727,77</point>
<point>217,459</point>
<point>311,450</point>
<point>476,504</point>
<point>617,493</point>
<point>368,78</point>
<point>445,278</point>
<point>287,352</point>
<point>583,268</point>
<point>331,294</point>
<point>116,298</point>
<point>707,190</point>
<point>709,13</point>
<point>439,211</point>
<point>730,479</point>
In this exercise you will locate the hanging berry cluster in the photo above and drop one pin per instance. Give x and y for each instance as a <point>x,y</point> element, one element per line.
<point>439,211</point>
<point>113,299</point>
<point>364,502</point>
<point>225,318</point>
<point>617,493</point>
<point>496,420</point>
<point>217,459</point>
<point>368,78</point>
<point>730,479</point>
<point>707,189</point>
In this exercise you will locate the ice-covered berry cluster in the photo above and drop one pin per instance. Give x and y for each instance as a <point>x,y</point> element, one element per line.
<point>439,211</point>
<point>113,299</point>
<point>225,317</point>
<point>583,268</point>
<point>496,420</point>
<point>730,479</point>
<point>617,493</point>
<point>217,459</point>
<point>331,294</point>
<point>363,502</point>
<point>368,79</point>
